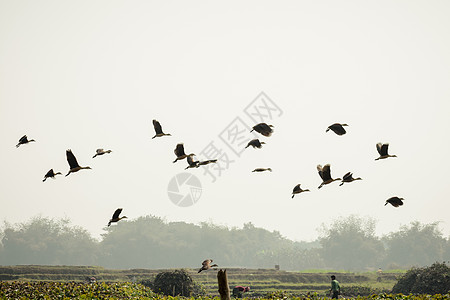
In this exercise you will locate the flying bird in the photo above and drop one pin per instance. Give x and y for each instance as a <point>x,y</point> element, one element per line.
<point>349,178</point>
<point>158,129</point>
<point>337,128</point>
<point>115,217</point>
<point>179,152</point>
<point>255,144</point>
<point>206,265</point>
<point>50,174</point>
<point>263,128</point>
<point>394,201</point>
<point>191,162</point>
<point>383,151</point>
<point>297,190</point>
<point>101,152</point>
<point>24,140</point>
<point>262,170</point>
<point>325,174</point>
<point>74,166</point>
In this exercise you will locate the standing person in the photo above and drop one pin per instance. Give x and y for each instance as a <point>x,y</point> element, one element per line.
<point>335,287</point>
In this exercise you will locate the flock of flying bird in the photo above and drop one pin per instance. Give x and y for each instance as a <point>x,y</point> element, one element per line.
<point>262,128</point>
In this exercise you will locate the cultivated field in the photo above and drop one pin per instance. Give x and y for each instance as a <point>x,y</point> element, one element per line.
<point>261,281</point>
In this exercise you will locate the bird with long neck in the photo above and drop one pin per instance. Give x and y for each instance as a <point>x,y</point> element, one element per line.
<point>297,190</point>
<point>179,152</point>
<point>24,140</point>
<point>101,152</point>
<point>73,164</point>
<point>50,174</point>
<point>325,174</point>
<point>206,265</point>
<point>158,130</point>
<point>383,151</point>
<point>115,217</point>
<point>349,178</point>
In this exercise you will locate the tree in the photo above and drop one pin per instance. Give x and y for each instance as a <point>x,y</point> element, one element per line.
<point>47,241</point>
<point>351,244</point>
<point>417,244</point>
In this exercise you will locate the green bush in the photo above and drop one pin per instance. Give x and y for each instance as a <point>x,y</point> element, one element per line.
<point>176,283</point>
<point>428,280</point>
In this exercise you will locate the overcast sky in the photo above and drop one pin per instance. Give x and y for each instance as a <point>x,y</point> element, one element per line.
<point>83,75</point>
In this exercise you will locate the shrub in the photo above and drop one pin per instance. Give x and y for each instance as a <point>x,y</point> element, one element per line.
<point>428,280</point>
<point>176,283</point>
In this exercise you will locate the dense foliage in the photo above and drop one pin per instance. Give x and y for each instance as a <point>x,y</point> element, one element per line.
<point>428,280</point>
<point>150,242</point>
<point>174,283</point>
<point>70,290</point>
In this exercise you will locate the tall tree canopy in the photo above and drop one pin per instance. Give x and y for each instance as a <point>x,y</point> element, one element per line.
<point>416,245</point>
<point>350,243</point>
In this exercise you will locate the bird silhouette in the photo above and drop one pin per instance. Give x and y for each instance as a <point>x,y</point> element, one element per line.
<point>74,166</point>
<point>297,190</point>
<point>158,129</point>
<point>255,144</point>
<point>394,201</point>
<point>263,128</point>
<point>50,174</point>
<point>101,152</point>
<point>337,128</point>
<point>179,152</point>
<point>206,265</point>
<point>383,151</point>
<point>262,170</point>
<point>24,140</point>
<point>325,174</point>
<point>191,162</point>
<point>349,178</point>
<point>115,217</point>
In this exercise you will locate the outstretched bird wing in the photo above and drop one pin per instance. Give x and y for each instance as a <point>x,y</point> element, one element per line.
<point>179,150</point>
<point>384,149</point>
<point>207,262</point>
<point>319,169</point>
<point>71,159</point>
<point>157,126</point>
<point>347,176</point>
<point>117,213</point>
<point>379,146</point>
<point>296,188</point>
<point>326,172</point>
<point>337,128</point>
<point>23,139</point>
<point>50,173</point>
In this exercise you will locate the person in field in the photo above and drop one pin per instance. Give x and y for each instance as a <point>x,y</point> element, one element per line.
<point>239,290</point>
<point>335,288</point>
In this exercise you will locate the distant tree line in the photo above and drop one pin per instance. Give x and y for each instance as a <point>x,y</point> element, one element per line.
<point>150,242</point>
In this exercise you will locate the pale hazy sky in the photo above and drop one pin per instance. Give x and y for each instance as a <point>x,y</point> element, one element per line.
<point>83,75</point>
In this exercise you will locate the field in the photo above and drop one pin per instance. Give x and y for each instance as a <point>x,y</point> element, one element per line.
<point>261,281</point>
